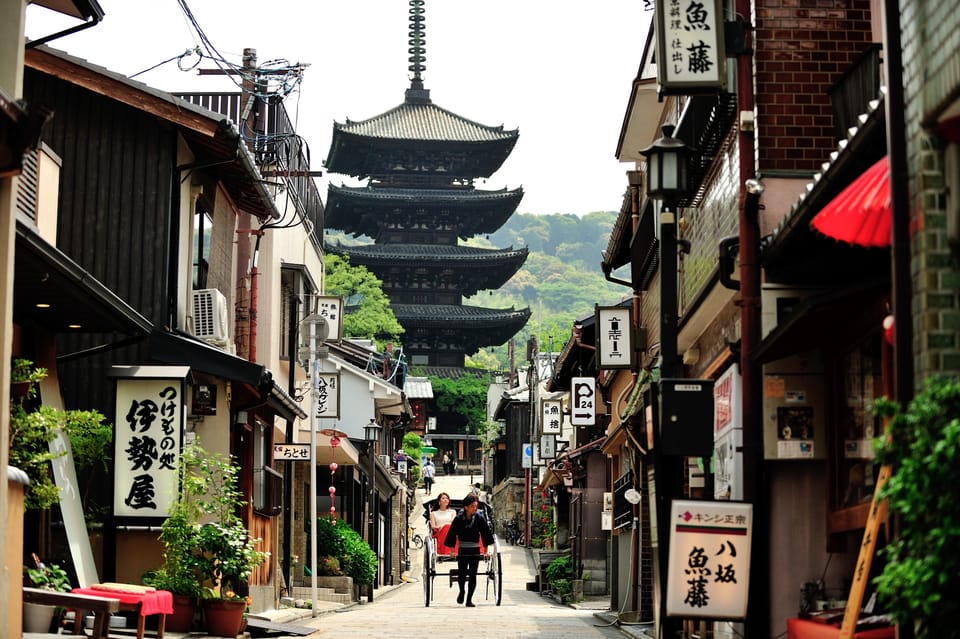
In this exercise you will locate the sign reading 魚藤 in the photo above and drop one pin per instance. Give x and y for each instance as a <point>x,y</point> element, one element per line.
<point>614,343</point>
<point>552,416</point>
<point>147,443</point>
<point>690,46</point>
<point>583,401</point>
<point>328,395</point>
<point>709,568</point>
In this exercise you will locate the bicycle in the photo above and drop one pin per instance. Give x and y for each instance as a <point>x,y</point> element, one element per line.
<point>416,539</point>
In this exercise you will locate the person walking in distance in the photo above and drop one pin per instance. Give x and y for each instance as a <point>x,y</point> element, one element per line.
<point>429,472</point>
<point>469,535</point>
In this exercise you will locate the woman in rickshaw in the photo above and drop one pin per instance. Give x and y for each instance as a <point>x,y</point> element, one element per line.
<point>440,520</point>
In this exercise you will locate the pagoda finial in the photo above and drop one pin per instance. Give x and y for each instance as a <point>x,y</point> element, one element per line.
<point>417,51</point>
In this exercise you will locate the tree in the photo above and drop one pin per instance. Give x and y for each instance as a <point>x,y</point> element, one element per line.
<point>367,314</point>
<point>465,396</point>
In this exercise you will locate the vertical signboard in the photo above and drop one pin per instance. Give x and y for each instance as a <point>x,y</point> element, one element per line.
<point>328,395</point>
<point>690,47</point>
<point>526,461</point>
<point>147,444</point>
<point>551,411</point>
<point>330,308</point>
<point>583,401</point>
<point>709,568</point>
<point>614,337</point>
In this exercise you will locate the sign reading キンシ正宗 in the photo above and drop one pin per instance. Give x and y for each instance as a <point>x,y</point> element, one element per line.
<point>690,47</point>
<point>147,443</point>
<point>709,567</point>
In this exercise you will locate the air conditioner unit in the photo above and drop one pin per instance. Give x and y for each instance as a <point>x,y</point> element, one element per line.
<point>210,315</point>
<point>385,460</point>
<point>778,301</point>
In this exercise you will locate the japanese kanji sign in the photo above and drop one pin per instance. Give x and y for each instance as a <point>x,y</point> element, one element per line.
<point>583,401</point>
<point>551,411</point>
<point>147,442</point>
<point>709,570</point>
<point>291,452</point>
<point>614,343</point>
<point>330,308</point>
<point>690,46</point>
<point>328,395</point>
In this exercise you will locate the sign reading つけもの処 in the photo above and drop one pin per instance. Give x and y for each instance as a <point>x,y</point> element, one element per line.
<point>709,568</point>
<point>690,46</point>
<point>147,444</point>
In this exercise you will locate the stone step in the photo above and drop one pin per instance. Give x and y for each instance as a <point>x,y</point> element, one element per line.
<point>323,594</point>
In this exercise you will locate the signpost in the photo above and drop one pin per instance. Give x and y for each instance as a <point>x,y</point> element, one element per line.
<point>583,405</point>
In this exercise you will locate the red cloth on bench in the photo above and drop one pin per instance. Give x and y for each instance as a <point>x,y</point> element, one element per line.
<point>158,602</point>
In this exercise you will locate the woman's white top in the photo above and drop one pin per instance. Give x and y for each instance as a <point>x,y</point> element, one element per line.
<point>441,518</point>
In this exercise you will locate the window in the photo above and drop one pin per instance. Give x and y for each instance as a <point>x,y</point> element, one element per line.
<point>267,483</point>
<point>202,236</point>
<point>295,283</point>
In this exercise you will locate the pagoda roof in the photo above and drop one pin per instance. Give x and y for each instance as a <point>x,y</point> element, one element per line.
<point>358,148</point>
<point>361,210</point>
<point>479,327</point>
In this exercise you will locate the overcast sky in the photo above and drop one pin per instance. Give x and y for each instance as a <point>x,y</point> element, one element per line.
<point>559,71</point>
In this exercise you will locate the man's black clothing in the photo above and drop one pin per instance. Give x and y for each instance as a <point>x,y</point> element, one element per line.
<point>469,534</point>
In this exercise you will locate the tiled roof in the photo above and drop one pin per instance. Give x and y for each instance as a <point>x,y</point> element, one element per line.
<point>418,388</point>
<point>426,197</point>
<point>424,121</point>
<point>440,313</point>
<point>430,252</point>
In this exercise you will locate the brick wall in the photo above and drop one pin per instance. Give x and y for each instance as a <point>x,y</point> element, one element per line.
<point>801,48</point>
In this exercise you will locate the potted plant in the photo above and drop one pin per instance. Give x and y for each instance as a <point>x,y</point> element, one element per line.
<point>42,617</point>
<point>221,552</point>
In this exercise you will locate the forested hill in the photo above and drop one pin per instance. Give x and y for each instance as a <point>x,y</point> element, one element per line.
<point>561,280</point>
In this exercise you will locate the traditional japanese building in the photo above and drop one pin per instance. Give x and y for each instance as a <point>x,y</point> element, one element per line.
<point>420,162</point>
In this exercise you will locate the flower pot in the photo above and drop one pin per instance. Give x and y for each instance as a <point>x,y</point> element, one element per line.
<point>37,617</point>
<point>184,609</point>
<point>223,618</point>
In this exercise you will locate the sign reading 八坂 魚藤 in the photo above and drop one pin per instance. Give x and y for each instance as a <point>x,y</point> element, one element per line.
<point>709,569</point>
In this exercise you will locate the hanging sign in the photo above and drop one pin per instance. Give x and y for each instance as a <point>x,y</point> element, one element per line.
<point>690,47</point>
<point>147,442</point>
<point>583,403</point>
<point>709,567</point>
<point>552,416</point>
<point>291,452</point>
<point>330,308</point>
<point>548,446</point>
<point>328,395</point>
<point>614,337</point>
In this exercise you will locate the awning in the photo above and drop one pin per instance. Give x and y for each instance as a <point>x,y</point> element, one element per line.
<point>53,291</point>
<point>180,348</point>
<point>816,317</point>
<point>860,214</point>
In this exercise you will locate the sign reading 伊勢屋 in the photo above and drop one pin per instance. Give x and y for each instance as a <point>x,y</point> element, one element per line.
<point>708,574</point>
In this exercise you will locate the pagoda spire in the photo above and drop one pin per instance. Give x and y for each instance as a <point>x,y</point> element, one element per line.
<point>417,51</point>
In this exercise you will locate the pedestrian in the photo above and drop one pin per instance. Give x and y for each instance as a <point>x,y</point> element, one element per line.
<point>469,535</point>
<point>429,472</point>
<point>446,463</point>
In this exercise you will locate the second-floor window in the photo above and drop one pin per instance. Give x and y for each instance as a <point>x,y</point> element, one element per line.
<point>202,237</point>
<point>295,282</point>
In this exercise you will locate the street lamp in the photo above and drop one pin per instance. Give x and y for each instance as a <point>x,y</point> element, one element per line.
<point>668,160</point>
<point>371,434</point>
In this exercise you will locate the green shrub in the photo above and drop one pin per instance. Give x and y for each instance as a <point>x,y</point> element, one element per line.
<point>338,540</point>
<point>560,575</point>
<point>923,565</point>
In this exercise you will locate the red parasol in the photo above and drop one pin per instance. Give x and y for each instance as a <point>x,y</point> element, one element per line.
<point>860,214</point>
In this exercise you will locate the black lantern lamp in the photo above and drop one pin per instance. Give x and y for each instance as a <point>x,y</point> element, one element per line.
<point>668,159</point>
<point>371,433</point>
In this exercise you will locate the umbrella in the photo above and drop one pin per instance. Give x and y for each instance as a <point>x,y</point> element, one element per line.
<point>860,213</point>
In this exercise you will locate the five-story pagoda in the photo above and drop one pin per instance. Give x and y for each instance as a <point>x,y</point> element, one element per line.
<point>420,162</point>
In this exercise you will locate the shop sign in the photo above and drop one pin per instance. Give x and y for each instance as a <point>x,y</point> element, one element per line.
<point>690,47</point>
<point>552,416</point>
<point>330,308</point>
<point>614,337</point>
<point>709,567</point>
<point>328,395</point>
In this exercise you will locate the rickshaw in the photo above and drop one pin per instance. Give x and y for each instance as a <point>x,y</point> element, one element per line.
<point>490,571</point>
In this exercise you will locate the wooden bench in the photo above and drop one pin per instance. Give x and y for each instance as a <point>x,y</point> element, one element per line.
<point>101,607</point>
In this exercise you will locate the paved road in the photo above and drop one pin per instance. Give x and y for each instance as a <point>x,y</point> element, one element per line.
<point>399,612</point>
